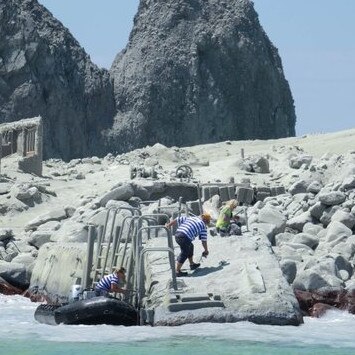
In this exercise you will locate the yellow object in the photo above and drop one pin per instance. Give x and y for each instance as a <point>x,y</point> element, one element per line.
<point>226,214</point>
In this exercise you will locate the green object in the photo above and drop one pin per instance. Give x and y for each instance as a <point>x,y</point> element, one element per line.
<point>224,217</point>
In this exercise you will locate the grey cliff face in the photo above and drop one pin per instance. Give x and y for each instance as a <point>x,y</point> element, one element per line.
<point>44,71</point>
<point>194,71</point>
<point>198,71</point>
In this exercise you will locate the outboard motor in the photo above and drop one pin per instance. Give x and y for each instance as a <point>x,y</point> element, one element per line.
<point>75,293</point>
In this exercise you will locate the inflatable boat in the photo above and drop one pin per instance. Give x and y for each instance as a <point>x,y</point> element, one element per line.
<point>96,310</point>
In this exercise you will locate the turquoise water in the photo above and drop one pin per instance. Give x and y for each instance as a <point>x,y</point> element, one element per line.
<point>173,347</point>
<point>21,334</point>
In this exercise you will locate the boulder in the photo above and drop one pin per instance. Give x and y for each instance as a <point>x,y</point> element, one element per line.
<point>299,221</point>
<point>255,164</point>
<point>298,187</point>
<point>267,229</point>
<point>289,269</point>
<point>283,238</point>
<point>309,240</point>
<point>331,198</point>
<point>348,183</point>
<point>313,280</point>
<point>27,260</point>
<point>311,228</point>
<point>15,274</point>
<point>300,160</point>
<point>38,238</point>
<point>327,214</point>
<point>54,215</point>
<point>348,219</point>
<point>316,303</point>
<point>317,210</point>
<point>49,226</point>
<point>342,264</point>
<point>121,193</point>
<point>7,289</point>
<point>70,232</point>
<point>335,230</point>
<point>58,267</point>
<point>5,234</point>
<point>314,187</point>
<point>271,221</point>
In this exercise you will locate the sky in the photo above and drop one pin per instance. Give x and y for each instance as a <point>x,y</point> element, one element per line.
<point>315,39</point>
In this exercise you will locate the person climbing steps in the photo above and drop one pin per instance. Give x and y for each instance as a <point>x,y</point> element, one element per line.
<point>188,229</point>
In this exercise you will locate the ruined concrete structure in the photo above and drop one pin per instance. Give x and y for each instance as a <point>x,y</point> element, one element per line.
<point>25,138</point>
<point>44,71</point>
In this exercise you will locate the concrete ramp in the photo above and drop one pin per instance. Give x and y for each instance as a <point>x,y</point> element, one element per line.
<point>240,280</point>
<point>176,302</point>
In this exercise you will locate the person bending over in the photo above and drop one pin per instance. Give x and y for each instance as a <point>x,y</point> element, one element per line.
<point>227,224</point>
<point>111,282</point>
<point>188,229</point>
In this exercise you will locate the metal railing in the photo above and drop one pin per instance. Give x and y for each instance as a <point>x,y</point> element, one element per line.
<point>108,235</point>
<point>124,243</point>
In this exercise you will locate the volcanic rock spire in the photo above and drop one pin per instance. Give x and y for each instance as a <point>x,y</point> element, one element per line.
<point>198,71</point>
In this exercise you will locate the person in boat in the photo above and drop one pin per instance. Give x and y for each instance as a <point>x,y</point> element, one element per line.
<point>227,224</point>
<point>111,283</point>
<point>188,228</point>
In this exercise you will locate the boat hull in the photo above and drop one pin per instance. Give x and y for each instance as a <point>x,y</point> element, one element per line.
<point>97,310</point>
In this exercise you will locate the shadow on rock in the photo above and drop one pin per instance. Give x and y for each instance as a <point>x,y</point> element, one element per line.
<point>203,271</point>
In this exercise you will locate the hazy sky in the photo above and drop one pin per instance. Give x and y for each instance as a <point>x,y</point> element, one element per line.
<point>315,39</point>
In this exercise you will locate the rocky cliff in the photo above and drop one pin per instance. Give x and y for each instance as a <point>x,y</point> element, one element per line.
<point>197,71</point>
<point>194,71</point>
<point>44,71</point>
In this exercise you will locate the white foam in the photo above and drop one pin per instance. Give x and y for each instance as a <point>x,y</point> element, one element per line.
<point>335,329</point>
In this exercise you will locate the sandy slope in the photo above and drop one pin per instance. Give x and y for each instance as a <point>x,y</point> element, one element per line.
<point>222,158</point>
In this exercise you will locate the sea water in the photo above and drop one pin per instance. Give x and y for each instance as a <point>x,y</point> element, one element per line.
<point>21,334</point>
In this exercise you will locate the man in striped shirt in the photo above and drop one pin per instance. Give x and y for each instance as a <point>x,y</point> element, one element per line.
<point>110,283</point>
<point>188,229</point>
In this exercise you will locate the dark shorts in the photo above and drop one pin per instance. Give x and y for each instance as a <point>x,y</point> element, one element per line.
<point>186,247</point>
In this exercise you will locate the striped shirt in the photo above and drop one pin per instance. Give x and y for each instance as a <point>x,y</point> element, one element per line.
<point>105,283</point>
<point>192,227</point>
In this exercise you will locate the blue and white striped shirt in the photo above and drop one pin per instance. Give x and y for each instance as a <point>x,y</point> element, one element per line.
<point>192,227</point>
<point>105,283</point>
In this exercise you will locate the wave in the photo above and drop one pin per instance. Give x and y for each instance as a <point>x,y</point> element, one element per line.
<point>335,329</point>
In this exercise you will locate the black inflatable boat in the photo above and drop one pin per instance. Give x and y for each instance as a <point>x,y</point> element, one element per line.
<point>96,310</point>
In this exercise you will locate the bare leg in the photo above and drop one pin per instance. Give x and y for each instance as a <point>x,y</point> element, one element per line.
<point>178,267</point>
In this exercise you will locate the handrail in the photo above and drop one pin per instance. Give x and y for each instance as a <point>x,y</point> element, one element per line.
<point>139,247</point>
<point>137,244</point>
<point>139,271</point>
<point>108,234</point>
<point>117,241</point>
